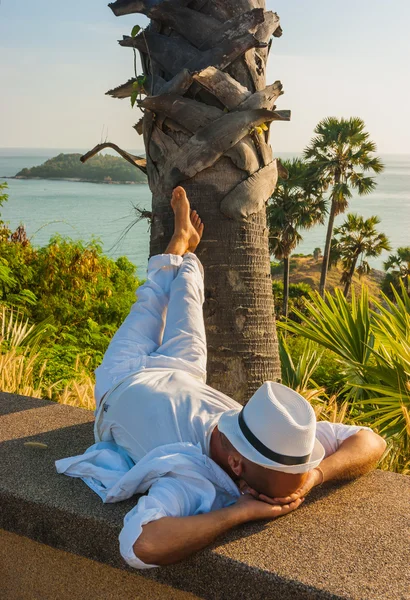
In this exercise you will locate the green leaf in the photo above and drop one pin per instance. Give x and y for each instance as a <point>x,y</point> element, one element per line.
<point>134,97</point>
<point>135,31</point>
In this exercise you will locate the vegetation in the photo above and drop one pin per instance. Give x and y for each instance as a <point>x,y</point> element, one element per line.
<point>69,289</point>
<point>3,196</point>
<point>102,168</point>
<point>60,305</point>
<point>342,153</point>
<point>298,292</point>
<point>23,366</point>
<point>398,269</point>
<point>373,352</point>
<point>305,269</point>
<point>356,240</point>
<point>296,204</point>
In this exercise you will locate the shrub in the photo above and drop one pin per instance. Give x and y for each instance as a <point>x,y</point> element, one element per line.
<point>372,347</point>
<point>298,292</point>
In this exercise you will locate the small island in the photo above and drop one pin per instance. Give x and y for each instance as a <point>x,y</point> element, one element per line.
<point>103,168</point>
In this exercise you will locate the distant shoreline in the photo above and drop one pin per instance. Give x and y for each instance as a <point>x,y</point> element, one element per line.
<point>75,180</point>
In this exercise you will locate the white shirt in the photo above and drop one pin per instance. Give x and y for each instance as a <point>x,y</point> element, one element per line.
<point>155,436</point>
<point>159,406</point>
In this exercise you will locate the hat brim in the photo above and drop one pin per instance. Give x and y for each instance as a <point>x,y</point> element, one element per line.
<point>229,426</point>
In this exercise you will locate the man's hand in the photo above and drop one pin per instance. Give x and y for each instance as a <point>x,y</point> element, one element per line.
<point>313,478</point>
<point>255,510</point>
<point>171,539</point>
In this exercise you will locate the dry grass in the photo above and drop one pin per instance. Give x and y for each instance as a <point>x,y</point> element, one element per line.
<point>79,393</point>
<point>17,375</point>
<point>20,373</point>
<point>22,369</point>
<point>305,269</point>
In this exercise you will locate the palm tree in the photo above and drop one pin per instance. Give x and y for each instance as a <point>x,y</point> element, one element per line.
<point>397,267</point>
<point>342,153</point>
<point>206,119</point>
<point>357,240</point>
<point>297,203</point>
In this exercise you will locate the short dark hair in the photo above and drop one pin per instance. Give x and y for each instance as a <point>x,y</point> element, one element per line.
<point>226,444</point>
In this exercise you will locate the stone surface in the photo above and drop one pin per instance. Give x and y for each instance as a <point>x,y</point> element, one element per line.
<point>349,541</point>
<point>45,573</point>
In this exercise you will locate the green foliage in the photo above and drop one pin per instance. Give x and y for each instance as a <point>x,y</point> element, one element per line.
<point>98,168</point>
<point>398,269</point>
<point>373,349</point>
<point>298,375</point>
<point>298,293</point>
<point>343,155</point>
<point>343,328</point>
<point>135,31</point>
<point>329,373</point>
<point>388,378</point>
<point>74,287</point>
<point>138,88</point>
<point>296,204</point>
<point>3,194</point>
<point>356,240</point>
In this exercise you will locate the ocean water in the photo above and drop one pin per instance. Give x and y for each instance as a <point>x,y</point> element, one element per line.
<point>86,210</point>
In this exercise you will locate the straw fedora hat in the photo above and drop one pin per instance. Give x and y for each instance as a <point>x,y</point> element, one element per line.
<point>276,429</point>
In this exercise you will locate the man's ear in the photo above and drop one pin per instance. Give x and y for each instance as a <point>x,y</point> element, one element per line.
<point>236,464</point>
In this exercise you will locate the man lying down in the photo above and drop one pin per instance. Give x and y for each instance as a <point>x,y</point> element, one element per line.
<point>207,463</point>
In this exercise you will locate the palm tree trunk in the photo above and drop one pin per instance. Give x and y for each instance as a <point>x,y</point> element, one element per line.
<point>206,98</point>
<point>350,277</point>
<point>286,276</point>
<point>326,253</point>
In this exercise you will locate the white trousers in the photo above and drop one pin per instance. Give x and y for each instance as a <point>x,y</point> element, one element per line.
<point>165,327</point>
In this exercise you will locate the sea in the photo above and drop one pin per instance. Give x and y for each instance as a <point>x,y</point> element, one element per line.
<point>106,211</point>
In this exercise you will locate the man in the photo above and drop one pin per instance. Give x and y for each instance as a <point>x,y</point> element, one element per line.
<point>160,428</point>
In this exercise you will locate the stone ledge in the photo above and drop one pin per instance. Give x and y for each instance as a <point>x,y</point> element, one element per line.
<point>354,543</point>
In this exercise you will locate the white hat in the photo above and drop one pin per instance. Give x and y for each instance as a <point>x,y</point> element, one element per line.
<point>276,429</point>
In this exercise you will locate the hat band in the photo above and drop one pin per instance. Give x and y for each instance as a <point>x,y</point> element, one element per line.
<point>283,459</point>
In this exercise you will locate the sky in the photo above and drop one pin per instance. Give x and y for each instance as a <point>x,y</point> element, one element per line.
<point>57,60</point>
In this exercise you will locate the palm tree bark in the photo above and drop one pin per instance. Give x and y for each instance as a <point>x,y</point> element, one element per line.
<point>350,277</point>
<point>286,276</point>
<point>205,126</point>
<point>328,244</point>
<point>326,253</point>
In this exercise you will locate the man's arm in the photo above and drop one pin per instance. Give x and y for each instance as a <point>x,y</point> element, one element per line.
<point>171,539</point>
<point>356,456</point>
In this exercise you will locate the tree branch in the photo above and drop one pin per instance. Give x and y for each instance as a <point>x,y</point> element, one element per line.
<point>137,161</point>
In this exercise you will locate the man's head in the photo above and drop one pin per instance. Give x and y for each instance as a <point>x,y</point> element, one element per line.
<point>271,442</point>
<point>274,484</point>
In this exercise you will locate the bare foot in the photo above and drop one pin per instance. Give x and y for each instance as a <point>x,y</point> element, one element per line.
<point>199,229</point>
<point>188,226</point>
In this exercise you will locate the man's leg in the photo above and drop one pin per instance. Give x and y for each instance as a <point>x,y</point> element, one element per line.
<point>141,333</point>
<point>184,335</point>
<point>184,342</point>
